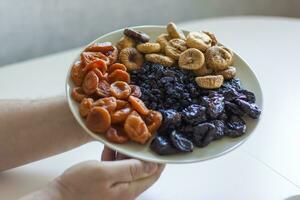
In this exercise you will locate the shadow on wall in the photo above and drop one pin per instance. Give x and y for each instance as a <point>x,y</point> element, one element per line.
<point>297,197</point>
<point>33,28</point>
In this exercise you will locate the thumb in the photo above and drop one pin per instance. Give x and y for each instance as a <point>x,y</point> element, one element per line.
<point>130,170</point>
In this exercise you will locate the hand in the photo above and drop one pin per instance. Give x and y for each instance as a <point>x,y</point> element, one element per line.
<point>94,180</point>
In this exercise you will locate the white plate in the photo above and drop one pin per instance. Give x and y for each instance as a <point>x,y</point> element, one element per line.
<point>143,152</point>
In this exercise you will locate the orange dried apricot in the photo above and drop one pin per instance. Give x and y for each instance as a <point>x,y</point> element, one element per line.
<point>102,47</point>
<point>77,73</point>
<point>90,83</point>
<point>120,90</point>
<point>120,115</point>
<point>153,121</point>
<point>109,103</point>
<point>138,105</point>
<point>121,104</point>
<point>136,128</point>
<point>78,94</point>
<point>115,66</point>
<point>98,120</point>
<point>115,135</point>
<point>88,57</point>
<point>135,91</point>
<point>101,75</point>
<point>103,89</point>
<point>96,64</point>
<point>85,106</point>
<point>119,75</point>
<point>112,55</point>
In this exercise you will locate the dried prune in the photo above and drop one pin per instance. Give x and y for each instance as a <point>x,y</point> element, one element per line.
<point>250,109</point>
<point>219,129</point>
<point>203,134</point>
<point>162,146</point>
<point>249,96</point>
<point>180,142</point>
<point>236,126</point>
<point>233,108</point>
<point>215,106</point>
<point>136,35</point>
<point>194,114</point>
<point>171,120</point>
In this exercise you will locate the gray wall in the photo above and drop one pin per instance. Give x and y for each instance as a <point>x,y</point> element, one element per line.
<point>31,28</point>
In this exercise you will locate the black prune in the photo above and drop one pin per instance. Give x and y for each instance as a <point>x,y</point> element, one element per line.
<point>248,96</point>
<point>234,83</point>
<point>233,108</point>
<point>237,124</point>
<point>231,94</point>
<point>219,129</point>
<point>171,120</point>
<point>203,134</point>
<point>162,146</point>
<point>194,114</point>
<point>249,108</point>
<point>215,106</point>
<point>181,143</point>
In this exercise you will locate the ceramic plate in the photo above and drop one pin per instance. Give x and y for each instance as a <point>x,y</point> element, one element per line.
<point>143,152</point>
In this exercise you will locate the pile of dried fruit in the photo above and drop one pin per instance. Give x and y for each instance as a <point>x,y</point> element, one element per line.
<point>187,82</point>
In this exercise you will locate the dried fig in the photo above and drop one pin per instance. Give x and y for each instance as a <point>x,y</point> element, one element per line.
<point>131,58</point>
<point>161,59</point>
<point>191,59</point>
<point>198,40</point>
<point>148,47</point>
<point>210,81</point>
<point>174,32</point>
<point>175,47</point>
<point>218,58</point>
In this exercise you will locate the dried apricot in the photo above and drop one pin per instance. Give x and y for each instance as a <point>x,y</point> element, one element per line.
<point>88,57</point>
<point>102,47</point>
<point>135,91</point>
<point>109,103</point>
<point>153,121</point>
<point>98,120</point>
<point>103,89</point>
<point>136,128</point>
<point>101,76</point>
<point>85,106</point>
<point>138,105</point>
<point>121,104</point>
<point>77,73</point>
<point>90,83</point>
<point>114,135</point>
<point>120,115</point>
<point>115,66</point>
<point>119,75</point>
<point>96,64</point>
<point>78,94</point>
<point>112,55</point>
<point>120,90</point>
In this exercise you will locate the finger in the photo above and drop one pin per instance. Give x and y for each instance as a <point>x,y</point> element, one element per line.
<point>135,188</point>
<point>108,154</point>
<point>130,170</point>
<point>120,156</point>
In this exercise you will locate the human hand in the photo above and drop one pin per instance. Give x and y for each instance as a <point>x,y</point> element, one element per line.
<point>122,179</point>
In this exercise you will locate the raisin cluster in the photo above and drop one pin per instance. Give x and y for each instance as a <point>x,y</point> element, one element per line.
<point>192,116</point>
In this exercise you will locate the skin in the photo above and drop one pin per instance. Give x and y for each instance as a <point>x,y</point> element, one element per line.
<point>33,130</point>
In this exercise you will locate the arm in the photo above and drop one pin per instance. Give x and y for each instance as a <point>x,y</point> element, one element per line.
<point>32,130</point>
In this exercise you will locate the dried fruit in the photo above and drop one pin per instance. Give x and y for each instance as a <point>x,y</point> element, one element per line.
<point>118,75</point>
<point>98,120</point>
<point>112,55</point>
<point>138,105</point>
<point>249,108</point>
<point>136,35</point>
<point>163,39</point>
<point>194,114</point>
<point>191,59</point>
<point>148,47</point>
<point>215,106</point>
<point>90,83</point>
<point>131,58</point>
<point>175,47</point>
<point>121,104</point>
<point>125,42</point>
<point>136,128</point>
<point>116,136</point>
<point>88,57</point>
<point>198,40</point>
<point>174,32</point>
<point>219,129</point>
<point>102,47</point>
<point>153,121</point>
<point>135,91</point>
<point>161,59</point>
<point>203,71</point>
<point>217,58</point>
<point>85,106</point>
<point>120,90</point>
<point>227,73</point>
<point>77,73</point>
<point>103,89</point>
<point>236,126</point>
<point>181,143</point>
<point>203,134</point>
<point>101,76</point>
<point>213,38</point>
<point>210,81</point>
<point>116,66</point>
<point>120,115</point>
<point>162,146</point>
<point>78,94</point>
<point>171,120</point>
<point>109,103</point>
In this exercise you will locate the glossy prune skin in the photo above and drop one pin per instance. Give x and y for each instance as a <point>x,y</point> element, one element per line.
<point>162,146</point>
<point>180,142</point>
<point>249,96</point>
<point>249,108</point>
<point>171,120</point>
<point>194,114</point>
<point>219,129</point>
<point>215,106</point>
<point>236,126</point>
<point>203,134</point>
<point>233,109</point>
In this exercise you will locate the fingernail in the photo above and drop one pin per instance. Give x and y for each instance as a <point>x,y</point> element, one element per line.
<point>150,168</point>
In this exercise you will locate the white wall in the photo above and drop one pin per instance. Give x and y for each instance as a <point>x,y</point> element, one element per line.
<point>31,28</point>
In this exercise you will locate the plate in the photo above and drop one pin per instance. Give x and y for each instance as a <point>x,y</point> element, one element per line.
<point>143,152</point>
